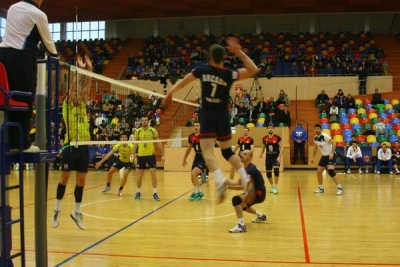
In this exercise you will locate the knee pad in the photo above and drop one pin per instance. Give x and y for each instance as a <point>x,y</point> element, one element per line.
<point>269,175</point>
<point>276,171</point>
<point>227,153</point>
<point>236,200</point>
<point>331,173</point>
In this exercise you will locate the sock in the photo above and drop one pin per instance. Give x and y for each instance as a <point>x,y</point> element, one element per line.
<point>242,174</point>
<point>218,176</point>
<point>196,189</point>
<point>259,214</point>
<point>108,184</point>
<point>78,208</point>
<point>339,186</point>
<point>240,221</point>
<point>321,186</point>
<point>154,190</point>
<point>121,187</point>
<point>58,204</point>
<point>139,190</point>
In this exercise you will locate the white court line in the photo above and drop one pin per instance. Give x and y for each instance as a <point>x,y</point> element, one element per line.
<point>148,220</point>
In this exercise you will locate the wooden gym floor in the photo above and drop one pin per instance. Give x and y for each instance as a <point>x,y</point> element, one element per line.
<point>359,228</point>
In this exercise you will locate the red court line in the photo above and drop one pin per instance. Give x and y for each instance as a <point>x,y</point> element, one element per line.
<point>303,225</point>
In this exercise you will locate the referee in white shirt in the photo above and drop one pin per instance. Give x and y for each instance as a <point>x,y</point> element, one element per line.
<point>26,26</point>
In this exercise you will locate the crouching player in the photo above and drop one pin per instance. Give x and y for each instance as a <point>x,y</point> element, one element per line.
<point>254,192</point>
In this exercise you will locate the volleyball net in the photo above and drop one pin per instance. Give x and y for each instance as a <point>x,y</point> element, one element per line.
<point>97,110</point>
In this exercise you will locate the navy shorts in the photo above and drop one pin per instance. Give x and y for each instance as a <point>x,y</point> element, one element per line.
<point>143,161</point>
<point>119,165</point>
<point>75,159</point>
<point>270,161</point>
<point>215,124</point>
<point>325,161</point>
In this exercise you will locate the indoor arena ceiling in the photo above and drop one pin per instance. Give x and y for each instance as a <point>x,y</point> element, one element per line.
<point>91,10</point>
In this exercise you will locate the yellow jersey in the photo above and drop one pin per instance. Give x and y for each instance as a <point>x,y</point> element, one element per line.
<point>76,122</point>
<point>146,149</point>
<point>124,152</point>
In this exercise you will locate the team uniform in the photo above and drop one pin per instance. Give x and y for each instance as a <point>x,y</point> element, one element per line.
<point>325,147</point>
<point>123,160</point>
<point>245,143</point>
<point>77,129</point>
<point>259,186</point>
<point>215,90</point>
<point>146,152</point>
<point>395,154</point>
<point>199,162</point>
<point>272,149</point>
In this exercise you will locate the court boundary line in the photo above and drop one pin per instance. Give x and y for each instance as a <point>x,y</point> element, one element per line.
<point>303,225</point>
<point>120,230</point>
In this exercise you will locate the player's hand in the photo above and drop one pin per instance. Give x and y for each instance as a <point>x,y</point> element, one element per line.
<point>88,63</point>
<point>98,165</point>
<point>233,45</point>
<point>80,62</point>
<point>162,159</point>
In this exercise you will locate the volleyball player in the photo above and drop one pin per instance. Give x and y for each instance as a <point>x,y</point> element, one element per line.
<point>216,82</point>
<point>199,165</point>
<point>245,142</point>
<point>124,155</point>
<point>74,158</point>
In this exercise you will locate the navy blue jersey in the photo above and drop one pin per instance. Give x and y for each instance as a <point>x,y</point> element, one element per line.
<point>215,86</point>
<point>194,141</point>
<point>257,178</point>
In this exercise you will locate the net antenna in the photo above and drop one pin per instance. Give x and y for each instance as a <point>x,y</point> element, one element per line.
<point>256,87</point>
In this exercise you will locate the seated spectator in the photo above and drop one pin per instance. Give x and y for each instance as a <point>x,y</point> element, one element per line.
<point>282,98</point>
<point>384,155</point>
<point>251,114</point>
<point>282,115</point>
<point>354,156</point>
<point>396,156</point>
<point>333,113</point>
<point>377,98</point>
<point>270,119</point>
<point>321,98</point>
<point>114,98</point>
<point>350,102</point>
<point>353,140</point>
<point>341,102</point>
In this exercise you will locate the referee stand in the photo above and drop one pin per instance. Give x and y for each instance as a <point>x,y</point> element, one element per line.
<point>41,158</point>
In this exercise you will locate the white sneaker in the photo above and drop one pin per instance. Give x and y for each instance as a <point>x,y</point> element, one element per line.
<point>16,167</point>
<point>263,218</point>
<point>378,172</point>
<point>366,170</point>
<point>55,220</point>
<point>120,193</point>
<point>238,229</point>
<point>339,191</point>
<point>319,190</point>
<point>348,171</point>
<point>221,188</point>
<point>390,173</point>
<point>106,188</point>
<point>77,217</point>
<point>397,171</point>
<point>360,171</point>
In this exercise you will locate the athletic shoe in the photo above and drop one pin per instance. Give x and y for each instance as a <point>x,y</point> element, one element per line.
<point>77,217</point>
<point>32,149</point>
<point>366,170</point>
<point>271,190</point>
<point>276,191</point>
<point>221,188</point>
<point>106,188</point>
<point>397,172</point>
<point>390,173</point>
<point>348,171</point>
<point>263,218</point>
<point>199,195</point>
<point>120,192</point>
<point>55,221</point>
<point>238,229</point>
<point>193,197</point>
<point>378,172</point>
<point>360,171</point>
<point>156,197</point>
<point>339,191</point>
<point>16,167</point>
<point>319,190</point>
<point>28,168</point>
<point>137,196</point>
